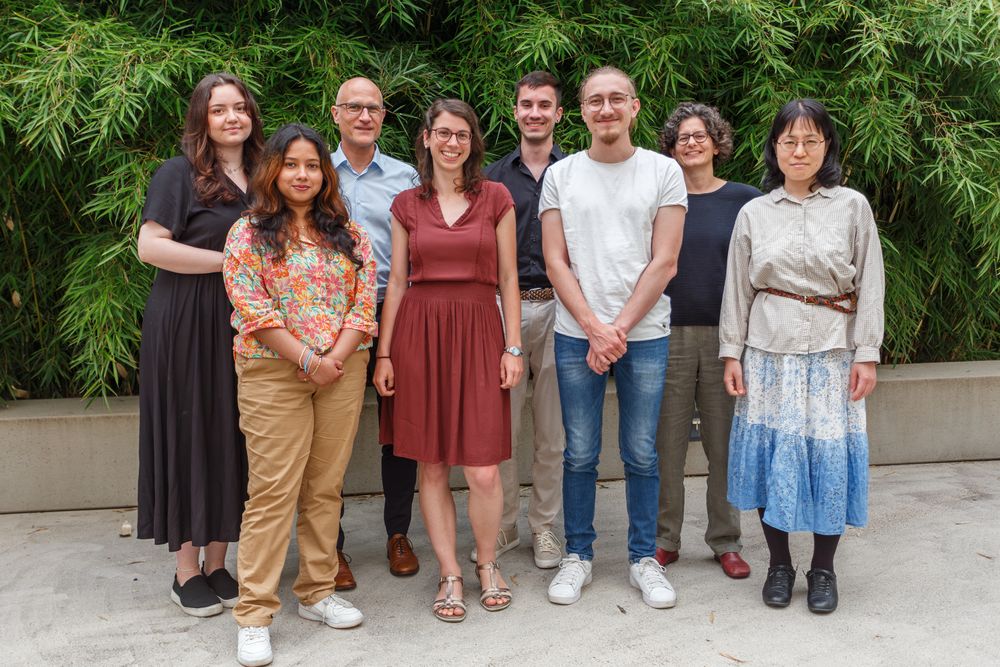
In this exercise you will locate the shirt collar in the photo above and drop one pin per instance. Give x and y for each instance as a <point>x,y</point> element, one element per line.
<point>555,154</point>
<point>340,159</point>
<point>779,193</point>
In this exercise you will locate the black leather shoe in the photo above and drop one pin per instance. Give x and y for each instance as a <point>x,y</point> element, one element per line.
<point>822,596</point>
<point>778,586</point>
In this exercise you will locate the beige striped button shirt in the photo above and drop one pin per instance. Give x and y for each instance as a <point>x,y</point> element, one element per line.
<point>824,245</point>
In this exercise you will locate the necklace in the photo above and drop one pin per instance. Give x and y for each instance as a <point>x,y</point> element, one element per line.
<point>232,170</point>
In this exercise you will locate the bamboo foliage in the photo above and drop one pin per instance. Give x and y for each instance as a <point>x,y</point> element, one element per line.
<point>93,96</point>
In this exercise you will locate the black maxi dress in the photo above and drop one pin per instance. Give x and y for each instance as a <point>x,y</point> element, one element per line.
<point>192,457</point>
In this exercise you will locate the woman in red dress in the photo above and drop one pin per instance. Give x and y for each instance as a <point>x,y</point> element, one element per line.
<point>442,352</point>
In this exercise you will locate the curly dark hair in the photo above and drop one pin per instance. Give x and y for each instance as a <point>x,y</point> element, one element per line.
<point>472,170</point>
<point>269,215</point>
<point>717,127</point>
<point>210,182</point>
<point>830,173</point>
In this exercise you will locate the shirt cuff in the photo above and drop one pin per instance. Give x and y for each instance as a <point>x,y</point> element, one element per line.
<point>865,354</point>
<point>730,350</point>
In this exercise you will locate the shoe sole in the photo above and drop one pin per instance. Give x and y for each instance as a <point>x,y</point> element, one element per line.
<point>259,662</point>
<point>230,603</point>
<point>309,615</point>
<point>198,612</point>
<point>547,564</point>
<point>345,587</point>
<point>473,556</point>
<point>649,601</point>
<point>408,573</point>
<point>574,599</point>
<point>777,605</point>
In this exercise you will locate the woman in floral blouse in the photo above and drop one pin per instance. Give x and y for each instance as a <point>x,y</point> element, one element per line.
<point>301,277</point>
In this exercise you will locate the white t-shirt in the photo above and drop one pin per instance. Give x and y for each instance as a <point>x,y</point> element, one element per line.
<point>607,216</point>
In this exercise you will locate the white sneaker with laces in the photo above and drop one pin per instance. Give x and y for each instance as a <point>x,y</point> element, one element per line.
<point>572,576</point>
<point>333,610</point>
<point>548,549</point>
<point>648,576</point>
<point>253,646</point>
<point>506,540</point>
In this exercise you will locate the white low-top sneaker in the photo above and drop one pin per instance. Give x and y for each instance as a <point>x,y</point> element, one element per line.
<point>648,576</point>
<point>333,610</point>
<point>253,646</point>
<point>572,576</point>
<point>547,548</point>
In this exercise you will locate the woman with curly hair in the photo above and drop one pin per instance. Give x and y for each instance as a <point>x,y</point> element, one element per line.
<point>443,354</point>
<point>192,462</point>
<point>301,277</point>
<point>700,140</point>
<point>800,332</point>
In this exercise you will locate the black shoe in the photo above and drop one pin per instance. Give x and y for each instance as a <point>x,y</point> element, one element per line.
<point>224,586</point>
<point>195,597</point>
<point>778,586</point>
<point>822,596</point>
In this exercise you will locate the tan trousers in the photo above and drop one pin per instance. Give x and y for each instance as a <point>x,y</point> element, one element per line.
<point>694,376</point>
<point>299,440</point>
<point>537,320</point>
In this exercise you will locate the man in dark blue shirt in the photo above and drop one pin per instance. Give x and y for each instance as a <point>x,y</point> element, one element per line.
<point>537,110</point>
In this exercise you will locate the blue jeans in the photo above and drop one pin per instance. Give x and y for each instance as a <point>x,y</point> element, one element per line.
<point>639,377</point>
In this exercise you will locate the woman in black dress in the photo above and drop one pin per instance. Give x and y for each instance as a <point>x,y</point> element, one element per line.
<point>192,460</point>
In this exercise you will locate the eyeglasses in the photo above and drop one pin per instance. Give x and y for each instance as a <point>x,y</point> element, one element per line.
<point>789,145</point>
<point>616,100</point>
<point>353,109</point>
<point>697,137</point>
<point>444,135</point>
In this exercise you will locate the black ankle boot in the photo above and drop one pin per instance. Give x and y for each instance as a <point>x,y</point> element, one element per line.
<point>822,597</point>
<point>778,585</point>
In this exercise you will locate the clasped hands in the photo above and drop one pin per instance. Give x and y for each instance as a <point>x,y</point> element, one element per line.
<point>608,343</point>
<point>330,370</point>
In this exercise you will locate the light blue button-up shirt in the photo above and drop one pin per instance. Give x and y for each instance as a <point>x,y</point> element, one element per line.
<point>368,196</point>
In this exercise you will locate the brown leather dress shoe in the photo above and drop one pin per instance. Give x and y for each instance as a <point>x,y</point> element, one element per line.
<point>344,581</point>
<point>733,565</point>
<point>402,561</point>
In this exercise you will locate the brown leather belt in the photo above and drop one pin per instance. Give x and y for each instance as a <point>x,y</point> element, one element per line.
<point>832,302</point>
<point>536,294</point>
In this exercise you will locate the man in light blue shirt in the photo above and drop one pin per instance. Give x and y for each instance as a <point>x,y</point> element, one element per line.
<point>369,181</point>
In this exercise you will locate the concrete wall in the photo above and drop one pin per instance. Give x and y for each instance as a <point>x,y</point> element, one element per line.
<point>63,454</point>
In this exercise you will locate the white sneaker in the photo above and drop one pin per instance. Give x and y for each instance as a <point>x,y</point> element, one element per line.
<point>547,548</point>
<point>506,540</point>
<point>253,646</point>
<point>572,576</point>
<point>648,576</point>
<point>333,610</point>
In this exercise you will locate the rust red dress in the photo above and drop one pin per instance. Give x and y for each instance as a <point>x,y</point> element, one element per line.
<point>448,338</point>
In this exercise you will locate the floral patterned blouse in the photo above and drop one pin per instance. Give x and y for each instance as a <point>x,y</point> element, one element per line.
<point>314,292</point>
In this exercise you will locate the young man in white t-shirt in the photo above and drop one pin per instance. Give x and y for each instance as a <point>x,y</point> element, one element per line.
<point>612,223</point>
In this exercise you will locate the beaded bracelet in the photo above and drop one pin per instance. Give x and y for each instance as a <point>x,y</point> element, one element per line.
<point>319,362</point>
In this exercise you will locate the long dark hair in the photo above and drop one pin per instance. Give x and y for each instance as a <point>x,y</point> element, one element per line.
<point>829,173</point>
<point>269,215</point>
<point>472,170</point>
<point>210,183</point>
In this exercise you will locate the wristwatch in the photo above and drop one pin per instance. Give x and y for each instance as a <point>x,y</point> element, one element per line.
<point>514,351</point>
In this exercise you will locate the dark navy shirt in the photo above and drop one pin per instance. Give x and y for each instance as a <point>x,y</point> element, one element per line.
<point>526,191</point>
<point>696,291</point>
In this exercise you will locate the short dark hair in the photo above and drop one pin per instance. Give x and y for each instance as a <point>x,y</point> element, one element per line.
<point>472,170</point>
<point>830,172</point>
<point>538,79</point>
<point>717,127</point>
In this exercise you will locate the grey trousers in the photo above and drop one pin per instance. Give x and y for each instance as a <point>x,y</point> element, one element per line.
<point>694,376</point>
<point>537,320</point>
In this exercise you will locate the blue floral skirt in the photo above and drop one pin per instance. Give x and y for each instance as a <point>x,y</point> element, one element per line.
<point>798,446</point>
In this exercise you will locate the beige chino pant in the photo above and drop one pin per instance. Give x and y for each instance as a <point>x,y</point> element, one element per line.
<point>299,440</point>
<point>694,376</point>
<point>538,341</point>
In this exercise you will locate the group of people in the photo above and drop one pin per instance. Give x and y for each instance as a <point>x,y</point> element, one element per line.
<point>446,287</point>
